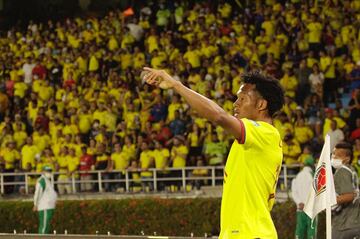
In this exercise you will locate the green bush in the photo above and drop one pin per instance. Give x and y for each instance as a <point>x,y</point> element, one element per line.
<point>171,217</point>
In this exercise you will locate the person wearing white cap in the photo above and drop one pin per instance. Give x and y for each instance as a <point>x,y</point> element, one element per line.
<point>44,200</point>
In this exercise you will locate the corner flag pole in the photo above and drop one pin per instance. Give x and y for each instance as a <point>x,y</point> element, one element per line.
<point>329,184</point>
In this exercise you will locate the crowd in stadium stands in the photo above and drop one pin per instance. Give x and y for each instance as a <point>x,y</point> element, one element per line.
<point>72,98</point>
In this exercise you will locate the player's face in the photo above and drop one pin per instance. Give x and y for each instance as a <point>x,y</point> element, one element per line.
<point>245,105</point>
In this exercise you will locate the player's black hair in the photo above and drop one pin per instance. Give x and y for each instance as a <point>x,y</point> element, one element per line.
<point>269,88</point>
<point>348,147</point>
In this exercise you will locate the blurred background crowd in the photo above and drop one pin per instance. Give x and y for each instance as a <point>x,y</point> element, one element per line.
<point>72,98</point>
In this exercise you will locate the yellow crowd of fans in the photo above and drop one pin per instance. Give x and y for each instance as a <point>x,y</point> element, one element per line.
<point>74,84</point>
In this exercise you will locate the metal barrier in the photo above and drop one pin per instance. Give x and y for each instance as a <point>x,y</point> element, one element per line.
<point>101,179</point>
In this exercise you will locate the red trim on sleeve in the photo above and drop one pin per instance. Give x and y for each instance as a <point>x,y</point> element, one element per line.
<point>241,140</point>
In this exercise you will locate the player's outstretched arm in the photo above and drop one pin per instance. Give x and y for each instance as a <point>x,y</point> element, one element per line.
<point>205,107</point>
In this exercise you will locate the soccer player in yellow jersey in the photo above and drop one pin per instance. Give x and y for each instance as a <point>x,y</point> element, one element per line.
<point>255,158</point>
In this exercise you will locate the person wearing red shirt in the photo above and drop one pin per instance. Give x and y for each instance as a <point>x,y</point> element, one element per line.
<point>164,133</point>
<point>355,134</point>
<point>86,164</point>
<point>68,83</point>
<point>39,70</point>
<point>42,121</point>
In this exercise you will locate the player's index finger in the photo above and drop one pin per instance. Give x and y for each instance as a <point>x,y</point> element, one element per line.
<point>147,68</point>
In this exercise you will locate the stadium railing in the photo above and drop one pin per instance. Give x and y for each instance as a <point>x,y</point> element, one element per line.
<point>182,177</point>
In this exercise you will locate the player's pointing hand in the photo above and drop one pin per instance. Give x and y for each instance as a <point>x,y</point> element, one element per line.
<point>158,78</point>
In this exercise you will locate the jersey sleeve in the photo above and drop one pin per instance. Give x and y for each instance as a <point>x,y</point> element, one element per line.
<point>248,131</point>
<point>241,140</point>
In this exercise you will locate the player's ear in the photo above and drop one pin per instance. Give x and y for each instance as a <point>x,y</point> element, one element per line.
<point>261,104</point>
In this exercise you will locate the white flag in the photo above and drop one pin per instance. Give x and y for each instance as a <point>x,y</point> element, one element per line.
<point>322,194</point>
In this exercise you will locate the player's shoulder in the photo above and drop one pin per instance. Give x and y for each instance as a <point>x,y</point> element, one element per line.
<point>258,125</point>
<point>251,122</point>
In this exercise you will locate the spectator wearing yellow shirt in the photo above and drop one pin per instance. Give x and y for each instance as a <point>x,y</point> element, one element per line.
<point>194,79</point>
<point>63,168</point>
<point>102,136</point>
<point>20,135</point>
<point>161,157</point>
<point>6,136</point>
<point>112,43</point>
<point>78,144</point>
<point>302,132</point>
<point>92,149</point>
<point>311,59</point>
<point>151,42</point>
<point>173,106</point>
<point>289,82</point>
<point>29,152</point>
<point>314,28</point>
<point>329,118</point>
<point>269,26</point>
<point>289,106</point>
<point>120,163</point>
<point>156,59</point>
<point>193,56</point>
<point>9,157</point>
<point>126,58</point>
<point>41,139</point>
<point>18,121</point>
<point>134,173</point>
<point>69,127</point>
<point>178,155</point>
<point>131,117</point>
<point>46,159</point>
<point>73,166</point>
<point>195,140</point>
<point>146,162</point>
<point>306,154</point>
<point>200,172</point>
<point>291,151</point>
<point>224,9</point>
<point>20,88</point>
<point>139,58</point>
<point>6,122</point>
<point>129,148</point>
<point>103,162</point>
<point>45,91</point>
<point>282,124</point>
<point>84,121</point>
<point>93,63</point>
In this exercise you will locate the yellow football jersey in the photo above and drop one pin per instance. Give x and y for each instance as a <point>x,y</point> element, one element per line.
<point>251,174</point>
